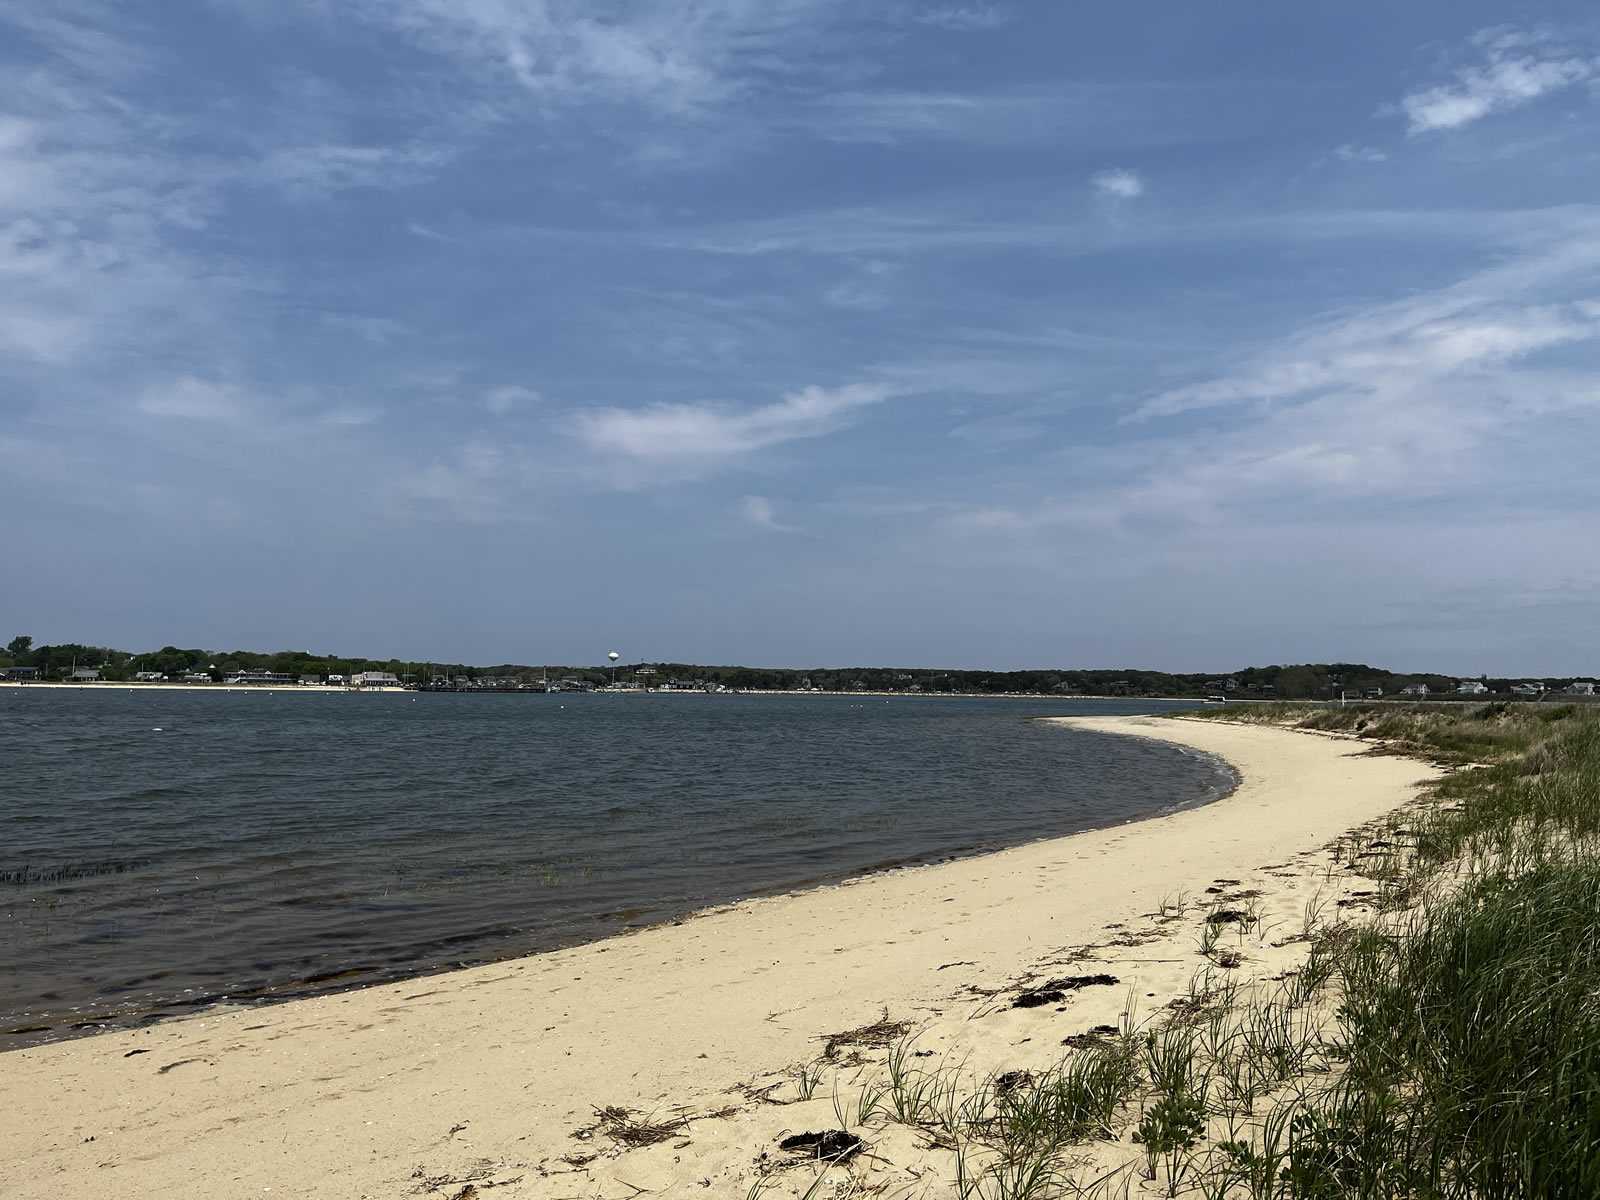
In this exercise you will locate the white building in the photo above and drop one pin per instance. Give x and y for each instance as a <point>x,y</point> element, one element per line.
<point>1471,687</point>
<point>1528,689</point>
<point>1580,688</point>
<point>261,678</point>
<point>375,679</point>
<point>1414,689</point>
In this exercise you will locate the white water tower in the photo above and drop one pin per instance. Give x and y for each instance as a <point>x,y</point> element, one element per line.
<point>613,657</point>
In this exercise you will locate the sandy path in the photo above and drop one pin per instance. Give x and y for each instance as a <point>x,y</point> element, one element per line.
<point>490,1070</point>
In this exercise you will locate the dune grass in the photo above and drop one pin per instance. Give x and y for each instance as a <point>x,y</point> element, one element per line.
<point>1448,1050</point>
<point>1467,1038</point>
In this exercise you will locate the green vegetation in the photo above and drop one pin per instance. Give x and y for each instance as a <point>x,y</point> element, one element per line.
<point>1303,682</point>
<point>1467,1040</point>
<point>1447,1050</point>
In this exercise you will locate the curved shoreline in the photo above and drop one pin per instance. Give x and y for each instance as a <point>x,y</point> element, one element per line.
<point>441,949</point>
<point>346,1094</point>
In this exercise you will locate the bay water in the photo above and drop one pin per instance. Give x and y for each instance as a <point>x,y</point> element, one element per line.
<point>162,850</point>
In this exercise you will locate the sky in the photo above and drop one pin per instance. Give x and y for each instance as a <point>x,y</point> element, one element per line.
<point>965,333</point>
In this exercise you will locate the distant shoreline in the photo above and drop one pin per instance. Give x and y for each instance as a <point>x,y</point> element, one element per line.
<point>111,685</point>
<point>108,685</point>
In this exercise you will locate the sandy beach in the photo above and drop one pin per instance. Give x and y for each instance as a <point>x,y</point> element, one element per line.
<point>490,1078</point>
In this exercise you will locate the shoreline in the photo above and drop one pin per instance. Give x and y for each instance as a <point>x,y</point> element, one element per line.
<point>347,1093</point>
<point>38,1029</point>
<point>115,685</point>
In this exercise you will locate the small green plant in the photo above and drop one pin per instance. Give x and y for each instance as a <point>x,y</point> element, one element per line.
<point>1172,1059</point>
<point>806,1079</point>
<point>1169,1129</point>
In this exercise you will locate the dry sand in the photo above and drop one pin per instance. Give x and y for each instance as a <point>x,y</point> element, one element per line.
<point>456,1084</point>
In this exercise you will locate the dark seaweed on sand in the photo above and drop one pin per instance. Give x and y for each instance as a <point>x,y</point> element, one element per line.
<point>1055,991</point>
<point>835,1145</point>
<point>880,1033</point>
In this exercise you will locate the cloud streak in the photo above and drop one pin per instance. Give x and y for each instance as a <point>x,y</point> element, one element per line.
<point>674,55</point>
<point>1487,321</point>
<point>759,511</point>
<point>960,18</point>
<point>1516,69</point>
<point>691,436</point>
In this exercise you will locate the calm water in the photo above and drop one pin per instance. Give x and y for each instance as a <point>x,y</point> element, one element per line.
<point>163,849</point>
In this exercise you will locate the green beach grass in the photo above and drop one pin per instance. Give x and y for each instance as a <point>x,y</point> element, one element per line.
<point>1464,1052</point>
<point>1447,1048</point>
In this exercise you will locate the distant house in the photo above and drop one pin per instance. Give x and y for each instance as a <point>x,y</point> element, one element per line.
<point>85,675</point>
<point>375,679</point>
<point>1374,693</point>
<point>260,678</point>
<point>197,677</point>
<point>337,681</point>
<point>21,674</point>
<point>1579,688</point>
<point>1471,687</point>
<point>1527,689</point>
<point>1414,689</point>
<point>310,680</point>
<point>149,677</point>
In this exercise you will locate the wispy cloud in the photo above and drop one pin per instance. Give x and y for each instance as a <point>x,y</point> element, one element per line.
<point>1431,398</point>
<point>1515,68</point>
<point>961,17</point>
<point>502,400</point>
<point>759,511</point>
<point>1486,321</point>
<point>690,436</point>
<point>1112,116</point>
<point>314,172</point>
<point>675,55</point>
<point>195,400</point>
<point>1118,183</point>
<point>1360,154</point>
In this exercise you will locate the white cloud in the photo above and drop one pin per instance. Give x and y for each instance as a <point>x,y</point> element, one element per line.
<point>689,435</point>
<point>1361,154</point>
<point>475,482</point>
<point>676,55</point>
<point>758,511</point>
<point>960,17</point>
<point>195,400</point>
<point>1516,69</point>
<point>1119,183</point>
<point>349,418</point>
<point>1484,322</point>
<point>1446,394</point>
<point>502,400</point>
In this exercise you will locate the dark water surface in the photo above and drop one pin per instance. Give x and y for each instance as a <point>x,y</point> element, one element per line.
<point>164,849</point>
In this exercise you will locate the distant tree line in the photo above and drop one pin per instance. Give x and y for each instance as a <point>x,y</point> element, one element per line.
<point>1298,682</point>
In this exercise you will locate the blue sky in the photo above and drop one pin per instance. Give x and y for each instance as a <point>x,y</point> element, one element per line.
<point>799,332</point>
